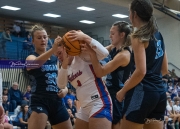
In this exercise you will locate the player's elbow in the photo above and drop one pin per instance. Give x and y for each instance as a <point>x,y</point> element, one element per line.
<point>106,53</point>
<point>164,72</point>
<point>141,72</point>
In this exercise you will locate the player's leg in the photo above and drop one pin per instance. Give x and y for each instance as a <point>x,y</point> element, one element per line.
<point>99,123</point>
<point>117,112</point>
<point>58,115</point>
<point>37,120</point>
<point>81,124</point>
<point>82,119</point>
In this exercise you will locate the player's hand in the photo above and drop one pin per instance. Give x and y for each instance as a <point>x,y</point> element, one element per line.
<point>86,48</point>
<point>76,35</point>
<point>72,116</point>
<point>57,42</point>
<point>120,95</point>
<point>62,93</point>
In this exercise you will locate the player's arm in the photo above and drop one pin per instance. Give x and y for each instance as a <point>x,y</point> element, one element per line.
<point>100,50</point>
<point>40,60</point>
<point>62,93</point>
<point>62,78</point>
<point>121,59</point>
<point>109,47</point>
<point>140,61</point>
<point>164,68</point>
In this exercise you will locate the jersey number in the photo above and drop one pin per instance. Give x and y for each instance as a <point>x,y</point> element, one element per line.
<point>79,83</point>
<point>159,50</point>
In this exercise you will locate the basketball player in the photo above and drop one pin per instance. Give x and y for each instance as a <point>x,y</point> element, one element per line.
<point>145,95</point>
<point>46,103</point>
<point>118,68</point>
<point>96,105</point>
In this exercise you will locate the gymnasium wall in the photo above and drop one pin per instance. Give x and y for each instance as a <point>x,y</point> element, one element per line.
<point>170,29</point>
<point>102,31</point>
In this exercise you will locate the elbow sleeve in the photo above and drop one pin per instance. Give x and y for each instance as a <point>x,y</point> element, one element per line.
<point>100,50</point>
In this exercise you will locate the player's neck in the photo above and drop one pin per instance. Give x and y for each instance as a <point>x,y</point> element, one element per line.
<point>118,46</point>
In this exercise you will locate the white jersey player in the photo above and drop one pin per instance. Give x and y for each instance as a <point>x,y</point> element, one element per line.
<point>96,106</point>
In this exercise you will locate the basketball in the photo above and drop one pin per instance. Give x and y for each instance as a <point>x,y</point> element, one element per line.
<point>73,48</point>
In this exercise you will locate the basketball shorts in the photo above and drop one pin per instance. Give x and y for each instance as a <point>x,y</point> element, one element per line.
<point>95,109</point>
<point>117,109</point>
<point>144,107</point>
<point>54,108</point>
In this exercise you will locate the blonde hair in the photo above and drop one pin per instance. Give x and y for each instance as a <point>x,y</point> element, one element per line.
<point>146,31</point>
<point>36,28</point>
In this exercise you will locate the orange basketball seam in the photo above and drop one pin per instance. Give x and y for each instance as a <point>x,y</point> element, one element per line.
<point>71,43</point>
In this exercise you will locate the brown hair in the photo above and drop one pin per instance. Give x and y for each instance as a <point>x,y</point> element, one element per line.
<point>144,10</point>
<point>127,29</point>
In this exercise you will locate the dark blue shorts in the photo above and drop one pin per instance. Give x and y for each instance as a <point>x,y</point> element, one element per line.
<point>54,108</point>
<point>117,109</point>
<point>144,106</point>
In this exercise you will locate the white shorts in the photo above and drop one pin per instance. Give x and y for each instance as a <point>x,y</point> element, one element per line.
<point>95,109</point>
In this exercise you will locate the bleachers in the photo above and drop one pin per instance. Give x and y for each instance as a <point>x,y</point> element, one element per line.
<point>52,30</point>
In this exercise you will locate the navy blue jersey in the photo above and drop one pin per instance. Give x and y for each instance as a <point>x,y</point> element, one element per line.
<point>116,79</point>
<point>152,81</point>
<point>43,79</point>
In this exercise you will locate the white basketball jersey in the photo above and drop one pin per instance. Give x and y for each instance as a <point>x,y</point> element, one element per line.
<point>88,87</point>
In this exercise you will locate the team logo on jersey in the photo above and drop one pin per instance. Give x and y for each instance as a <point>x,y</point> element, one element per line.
<point>159,50</point>
<point>94,97</point>
<point>40,108</point>
<point>48,68</point>
<point>74,76</point>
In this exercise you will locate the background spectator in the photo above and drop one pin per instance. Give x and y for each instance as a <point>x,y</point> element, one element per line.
<point>71,106</point>
<point>70,96</point>
<point>28,45</point>
<point>22,117</point>
<point>27,94</point>
<point>171,113</point>
<point>3,39</point>
<point>23,30</point>
<point>16,29</point>
<point>174,77</point>
<point>5,104</point>
<point>72,118</point>
<point>5,92</point>
<point>16,97</point>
